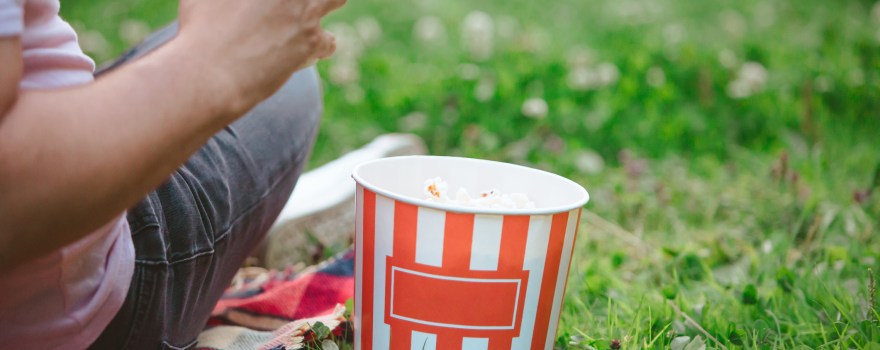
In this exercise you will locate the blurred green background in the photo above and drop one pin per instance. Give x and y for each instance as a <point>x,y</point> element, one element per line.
<point>731,148</point>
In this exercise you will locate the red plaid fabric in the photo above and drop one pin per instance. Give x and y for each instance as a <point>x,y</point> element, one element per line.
<point>281,297</point>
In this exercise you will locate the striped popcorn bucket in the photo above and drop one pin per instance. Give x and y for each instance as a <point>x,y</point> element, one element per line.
<point>433,275</point>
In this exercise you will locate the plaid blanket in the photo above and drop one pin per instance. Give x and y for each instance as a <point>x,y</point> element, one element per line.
<point>278,310</point>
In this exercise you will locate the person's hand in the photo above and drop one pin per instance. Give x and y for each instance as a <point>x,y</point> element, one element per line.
<point>256,44</point>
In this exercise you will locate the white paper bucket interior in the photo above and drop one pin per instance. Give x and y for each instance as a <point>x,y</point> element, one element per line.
<point>403,178</point>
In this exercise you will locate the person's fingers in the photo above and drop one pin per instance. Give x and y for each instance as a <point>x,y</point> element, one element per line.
<point>326,45</point>
<point>327,6</point>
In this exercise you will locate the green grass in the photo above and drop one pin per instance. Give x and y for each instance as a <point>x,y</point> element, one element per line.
<point>729,219</point>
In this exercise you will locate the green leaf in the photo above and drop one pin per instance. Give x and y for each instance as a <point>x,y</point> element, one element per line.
<point>785,279</point>
<point>750,295</point>
<point>679,343</point>
<point>321,330</point>
<point>697,344</point>
<point>686,343</point>
<point>601,344</point>
<point>349,307</point>
<point>670,290</point>
<point>836,252</point>
<point>692,267</point>
<point>735,335</point>
<point>670,251</point>
<point>617,259</point>
<point>870,329</point>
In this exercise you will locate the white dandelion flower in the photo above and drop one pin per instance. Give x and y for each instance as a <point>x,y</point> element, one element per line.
<point>656,77</point>
<point>94,42</point>
<point>413,121</point>
<point>629,9</point>
<point>583,78</point>
<point>767,247</point>
<point>133,31</point>
<point>875,12</point>
<point>588,161</point>
<point>535,108</point>
<point>738,89</point>
<point>750,79</point>
<point>820,268</point>
<point>765,14</point>
<point>519,150</point>
<point>429,29</point>
<point>534,40</point>
<point>608,73</point>
<point>485,89</point>
<point>468,71</point>
<point>349,45</point>
<point>580,57</point>
<point>673,33</point>
<point>733,23</point>
<point>727,59</point>
<point>477,31</point>
<point>368,29</point>
<point>344,72</point>
<point>554,144</point>
<point>488,141</point>
<point>754,74</point>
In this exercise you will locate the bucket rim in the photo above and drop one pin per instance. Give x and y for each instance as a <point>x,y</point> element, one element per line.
<point>584,196</point>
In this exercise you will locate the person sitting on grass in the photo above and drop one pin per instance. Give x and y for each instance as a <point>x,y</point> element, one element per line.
<point>128,201</point>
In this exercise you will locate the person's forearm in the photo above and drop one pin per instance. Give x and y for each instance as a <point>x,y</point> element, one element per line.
<point>73,159</point>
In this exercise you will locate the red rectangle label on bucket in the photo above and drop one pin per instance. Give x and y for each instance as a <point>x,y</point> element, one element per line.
<point>473,303</point>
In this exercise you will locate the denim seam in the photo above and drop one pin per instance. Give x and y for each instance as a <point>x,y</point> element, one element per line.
<point>189,345</point>
<point>144,227</point>
<point>188,178</point>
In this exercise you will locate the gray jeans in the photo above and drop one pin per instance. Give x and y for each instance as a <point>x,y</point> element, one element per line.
<point>193,233</point>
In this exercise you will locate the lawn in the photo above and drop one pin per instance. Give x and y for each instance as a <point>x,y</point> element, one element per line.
<point>731,148</point>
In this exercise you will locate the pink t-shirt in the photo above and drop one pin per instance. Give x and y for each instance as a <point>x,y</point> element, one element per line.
<point>66,298</point>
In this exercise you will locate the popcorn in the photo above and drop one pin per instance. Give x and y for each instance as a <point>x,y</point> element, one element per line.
<point>437,190</point>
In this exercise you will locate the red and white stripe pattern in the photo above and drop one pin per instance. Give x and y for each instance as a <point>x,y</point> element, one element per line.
<point>429,279</point>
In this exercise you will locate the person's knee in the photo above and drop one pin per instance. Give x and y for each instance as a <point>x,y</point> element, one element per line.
<point>293,115</point>
<point>289,119</point>
<point>304,89</point>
